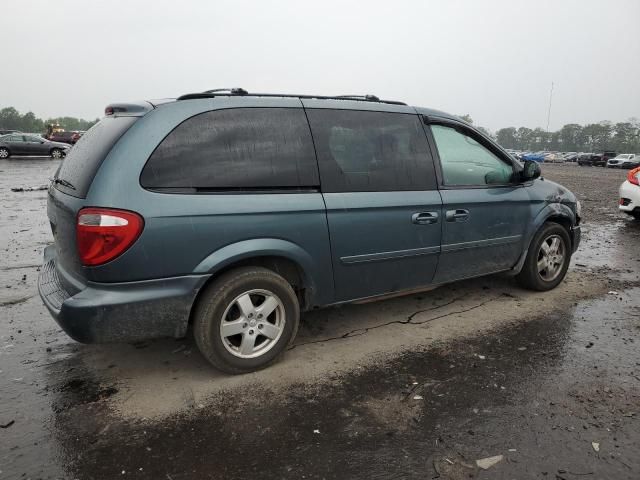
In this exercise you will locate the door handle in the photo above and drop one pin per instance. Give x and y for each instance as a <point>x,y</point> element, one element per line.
<point>459,215</point>
<point>424,218</point>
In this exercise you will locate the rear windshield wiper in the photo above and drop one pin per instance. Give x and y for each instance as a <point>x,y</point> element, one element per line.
<point>64,183</point>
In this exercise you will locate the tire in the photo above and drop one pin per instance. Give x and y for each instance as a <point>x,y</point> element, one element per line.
<point>534,275</point>
<point>56,153</point>
<point>225,302</point>
<point>4,153</point>
<point>636,214</point>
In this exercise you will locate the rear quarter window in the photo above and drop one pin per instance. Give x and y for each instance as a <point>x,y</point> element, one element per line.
<point>83,161</point>
<point>240,148</point>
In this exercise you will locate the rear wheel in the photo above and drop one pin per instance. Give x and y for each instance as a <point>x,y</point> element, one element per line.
<point>246,319</point>
<point>547,259</point>
<point>4,152</point>
<point>56,153</point>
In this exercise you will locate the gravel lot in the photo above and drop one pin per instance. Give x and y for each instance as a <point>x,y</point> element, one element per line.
<point>414,387</point>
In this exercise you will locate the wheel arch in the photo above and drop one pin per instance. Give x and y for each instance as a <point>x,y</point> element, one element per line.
<point>555,212</point>
<point>285,258</point>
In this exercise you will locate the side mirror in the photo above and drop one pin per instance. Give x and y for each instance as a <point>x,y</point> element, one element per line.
<point>531,170</point>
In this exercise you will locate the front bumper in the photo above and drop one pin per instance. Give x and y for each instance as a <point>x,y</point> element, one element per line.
<point>119,312</point>
<point>576,236</point>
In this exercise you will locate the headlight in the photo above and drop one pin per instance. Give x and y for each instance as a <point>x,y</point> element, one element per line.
<point>578,208</point>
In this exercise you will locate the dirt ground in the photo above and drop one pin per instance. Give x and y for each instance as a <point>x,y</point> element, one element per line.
<point>414,387</point>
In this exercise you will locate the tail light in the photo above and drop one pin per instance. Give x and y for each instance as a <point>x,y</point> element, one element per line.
<point>103,234</point>
<point>634,176</point>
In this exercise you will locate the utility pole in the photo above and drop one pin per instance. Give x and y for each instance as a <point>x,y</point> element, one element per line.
<point>549,111</point>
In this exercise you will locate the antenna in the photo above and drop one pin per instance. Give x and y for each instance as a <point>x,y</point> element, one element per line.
<point>549,111</point>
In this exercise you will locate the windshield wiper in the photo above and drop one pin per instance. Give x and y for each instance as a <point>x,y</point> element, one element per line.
<point>64,183</point>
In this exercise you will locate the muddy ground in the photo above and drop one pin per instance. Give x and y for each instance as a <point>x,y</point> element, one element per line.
<point>414,387</point>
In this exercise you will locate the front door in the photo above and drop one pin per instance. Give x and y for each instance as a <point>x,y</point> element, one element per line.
<point>36,146</point>
<point>383,208</point>
<point>485,210</point>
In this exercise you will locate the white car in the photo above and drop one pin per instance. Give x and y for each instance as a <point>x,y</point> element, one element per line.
<point>624,160</point>
<point>630,194</point>
<point>554,157</point>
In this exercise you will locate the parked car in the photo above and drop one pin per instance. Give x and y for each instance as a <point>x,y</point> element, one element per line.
<point>18,145</point>
<point>630,194</point>
<point>237,211</point>
<point>554,157</point>
<point>7,132</point>
<point>571,156</point>
<point>76,136</point>
<point>597,160</point>
<point>62,137</point>
<point>534,157</point>
<point>624,160</point>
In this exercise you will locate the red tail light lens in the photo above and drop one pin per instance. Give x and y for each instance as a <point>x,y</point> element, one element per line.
<point>634,176</point>
<point>104,233</point>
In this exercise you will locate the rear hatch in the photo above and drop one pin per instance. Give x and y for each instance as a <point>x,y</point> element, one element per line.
<point>68,193</point>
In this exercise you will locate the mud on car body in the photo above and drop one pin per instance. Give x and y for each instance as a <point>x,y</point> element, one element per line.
<point>235,212</point>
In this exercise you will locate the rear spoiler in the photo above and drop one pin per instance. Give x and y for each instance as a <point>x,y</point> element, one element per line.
<point>135,109</point>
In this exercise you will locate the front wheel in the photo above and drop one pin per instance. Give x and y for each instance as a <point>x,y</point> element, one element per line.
<point>4,153</point>
<point>246,319</point>
<point>56,153</point>
<point>547,259</point>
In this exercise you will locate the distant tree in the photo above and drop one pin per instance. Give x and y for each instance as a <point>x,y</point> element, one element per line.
<point>507,137</point>
<point>11,119</point>
<point>623,137</point>
<point>467,118</point>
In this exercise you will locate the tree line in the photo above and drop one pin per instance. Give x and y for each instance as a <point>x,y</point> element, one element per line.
<point>11,119</point>
<point>621,137</point>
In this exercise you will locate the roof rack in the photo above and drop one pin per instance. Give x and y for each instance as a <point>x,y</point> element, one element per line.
<point>232,92</point>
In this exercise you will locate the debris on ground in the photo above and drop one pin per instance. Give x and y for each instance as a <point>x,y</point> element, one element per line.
<point>487,463</point>
<point>8,424</point>
<point>29,189</point>
<point>418,397</point>
<point>613,292</point>
<point>454,467</point>
<point>596,446</point>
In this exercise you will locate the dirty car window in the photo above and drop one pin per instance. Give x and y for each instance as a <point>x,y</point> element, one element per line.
<point>370,151</point>
<point>236,148</point>
<point>83,160</point>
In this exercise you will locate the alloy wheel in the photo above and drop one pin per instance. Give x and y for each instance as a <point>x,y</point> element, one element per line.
<point>252,323</point>
<point>551,257</point>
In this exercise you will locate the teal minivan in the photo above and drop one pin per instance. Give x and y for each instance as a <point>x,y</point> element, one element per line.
<point>233,212</point>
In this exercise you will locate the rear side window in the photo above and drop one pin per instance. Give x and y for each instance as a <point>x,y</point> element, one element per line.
<point>83,160</point>
<point>240,148</point>
<point>362,151</point>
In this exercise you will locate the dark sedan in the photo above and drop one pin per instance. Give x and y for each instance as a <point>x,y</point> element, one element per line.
<point>18,144</point>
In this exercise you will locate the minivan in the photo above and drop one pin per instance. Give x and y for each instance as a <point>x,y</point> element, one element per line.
<point>233,212</point>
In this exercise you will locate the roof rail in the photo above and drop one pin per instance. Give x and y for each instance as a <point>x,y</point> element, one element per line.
<point>232,92</point>
<point>370,98</point>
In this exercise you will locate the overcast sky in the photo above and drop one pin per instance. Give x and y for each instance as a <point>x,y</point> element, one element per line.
<point>494,60</point>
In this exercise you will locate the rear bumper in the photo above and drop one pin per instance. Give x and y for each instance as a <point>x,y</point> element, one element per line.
<point>629,196</point>
<point>119,312</point>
